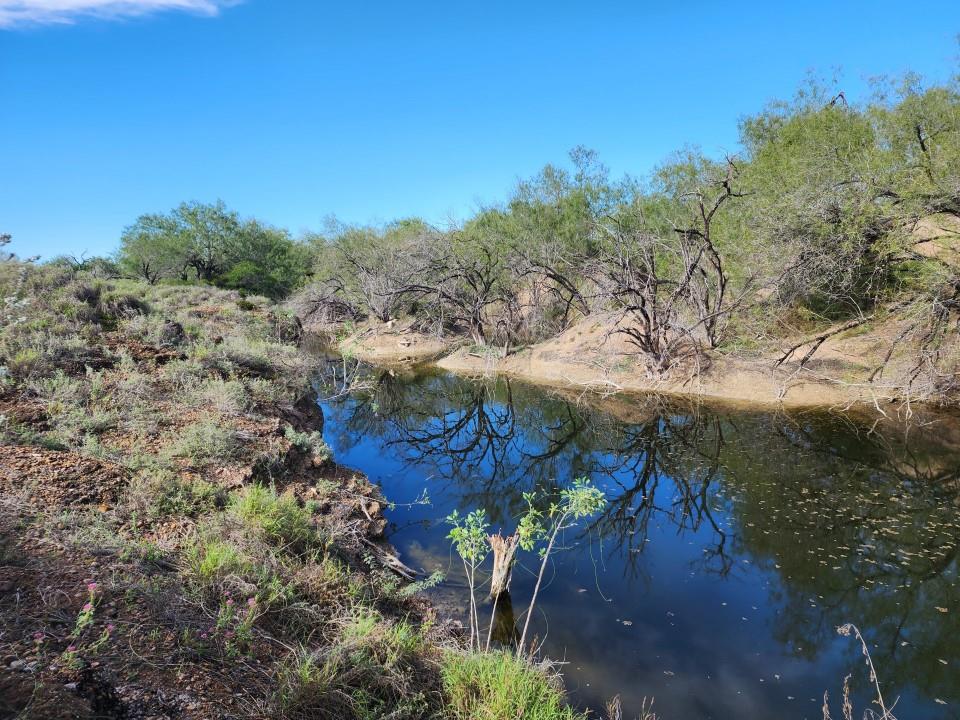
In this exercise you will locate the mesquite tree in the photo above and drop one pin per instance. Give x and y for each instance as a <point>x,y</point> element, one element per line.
<point>630,271</point>
<point>379,270</point>
<point>702,190</point>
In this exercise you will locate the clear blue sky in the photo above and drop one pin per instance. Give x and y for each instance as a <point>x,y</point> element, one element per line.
<point>291,110</point>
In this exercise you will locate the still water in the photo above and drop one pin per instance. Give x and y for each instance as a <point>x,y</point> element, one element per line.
<point>733,544</point>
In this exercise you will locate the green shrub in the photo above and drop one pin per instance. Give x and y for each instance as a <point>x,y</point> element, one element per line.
<point>279,517</point>
<point>251,356</point>
<point>228,397</point>
<point>209,561</point>
<point>311,443</point>
<point>24,362</point>
<point>494,686</point>
<point>204,442</point>
<point>266,391</point>
<point>165,494</point>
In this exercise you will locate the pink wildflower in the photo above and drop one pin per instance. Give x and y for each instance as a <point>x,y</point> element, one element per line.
<point>229,602</point>
<point>251,602</point>
<point>91,586</point>
<point>88,607</point>
<point>71,648</point>
<point>110,628</point>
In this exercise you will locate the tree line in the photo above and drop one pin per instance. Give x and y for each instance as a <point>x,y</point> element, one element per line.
<point>830,213</point>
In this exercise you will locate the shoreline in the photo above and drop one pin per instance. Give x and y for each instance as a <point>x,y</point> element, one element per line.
<point>584,361</point>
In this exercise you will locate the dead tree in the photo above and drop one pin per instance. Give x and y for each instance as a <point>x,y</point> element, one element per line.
<point>504,556</point>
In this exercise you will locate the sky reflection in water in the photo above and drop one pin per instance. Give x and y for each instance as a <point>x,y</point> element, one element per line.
<point>733,545</point>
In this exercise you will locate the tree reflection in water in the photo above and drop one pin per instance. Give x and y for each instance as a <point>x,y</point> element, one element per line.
<point>846,522</point>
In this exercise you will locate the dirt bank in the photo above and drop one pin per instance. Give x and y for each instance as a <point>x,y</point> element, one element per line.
<point>589,357</point>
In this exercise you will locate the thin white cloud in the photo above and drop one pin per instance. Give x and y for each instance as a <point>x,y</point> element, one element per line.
<point>15,13</point>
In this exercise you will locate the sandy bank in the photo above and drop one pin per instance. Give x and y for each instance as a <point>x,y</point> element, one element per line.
<point>588,357</point>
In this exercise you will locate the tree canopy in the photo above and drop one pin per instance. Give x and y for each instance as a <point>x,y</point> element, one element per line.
<point>213,244</point>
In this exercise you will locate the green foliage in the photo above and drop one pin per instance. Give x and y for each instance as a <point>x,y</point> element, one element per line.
<point>469,535</point>
<point>210,561</point>
<point>581,499</point>
<point>265,261</point>
<point>577,501</point>
<point>497,685</point>
<point>368,672</point>
<point>279,517</point>
<point>311,443</point>
<point>212,244</point>
<point>173,496</point>
<point>817,215</point>
<point>228,397</point>
<point>204,442</point>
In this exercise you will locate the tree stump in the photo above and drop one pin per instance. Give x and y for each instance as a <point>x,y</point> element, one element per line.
<point>504,555</point>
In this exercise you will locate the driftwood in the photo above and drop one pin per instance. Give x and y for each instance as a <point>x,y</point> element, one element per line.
<point>504,555</point>
<point>391,561</point>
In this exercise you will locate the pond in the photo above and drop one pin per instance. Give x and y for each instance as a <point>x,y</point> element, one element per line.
<point>732,546</point>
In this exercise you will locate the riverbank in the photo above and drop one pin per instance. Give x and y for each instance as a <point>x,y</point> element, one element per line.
<point>176,539</point>
<point>589,357</point>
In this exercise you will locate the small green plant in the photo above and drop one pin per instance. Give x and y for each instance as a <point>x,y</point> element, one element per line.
<point>576,502</point>
<point>469,537</point>
<point>280,518</point>
<point>228,397</point>
<point>235,624</point>
<point>85,618</point>
<point>419,586</point>
<point>209,561</point>
<point>495,685</point>
<point>204,442</point>
<point>311,443</point>
<point>536,530</point>
<point>166,494</point>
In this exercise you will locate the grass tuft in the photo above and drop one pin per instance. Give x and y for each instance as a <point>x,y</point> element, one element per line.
<point>497,685</point>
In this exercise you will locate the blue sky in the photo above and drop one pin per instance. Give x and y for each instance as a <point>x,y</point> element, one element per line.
<point>293,110</point>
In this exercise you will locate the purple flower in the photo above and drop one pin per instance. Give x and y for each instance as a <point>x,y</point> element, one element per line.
<point>71,648</point>
<point>251,602</point>
<point>230,603</point>
<point>91,586</point>
<point>88,607</point>
<point>110,628</point>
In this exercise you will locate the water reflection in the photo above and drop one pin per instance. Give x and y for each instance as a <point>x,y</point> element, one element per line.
<point>732,546</point>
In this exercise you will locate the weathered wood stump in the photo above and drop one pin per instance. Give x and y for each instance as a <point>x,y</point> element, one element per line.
<point>504,555</point>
